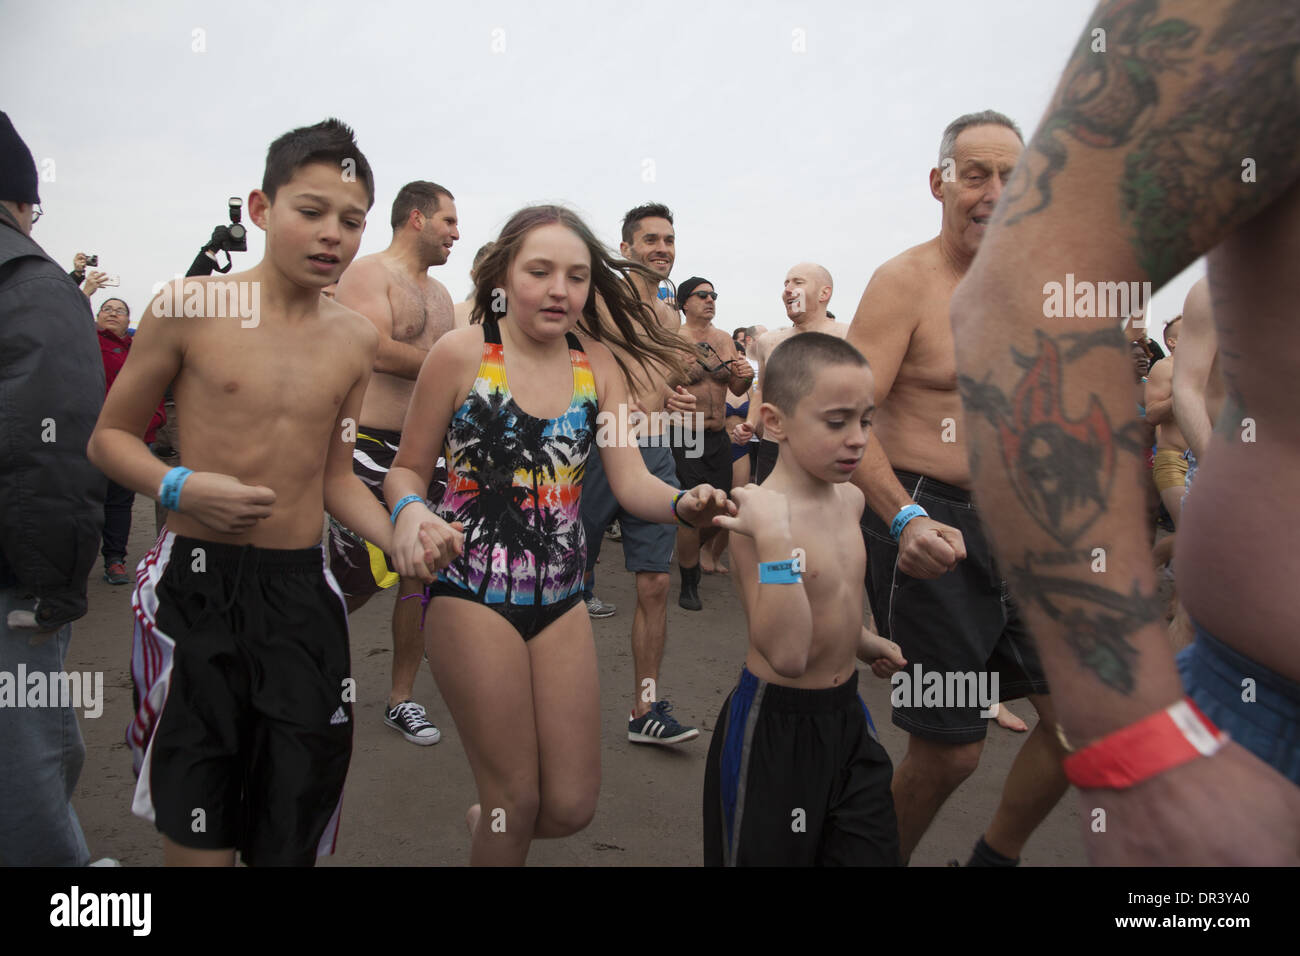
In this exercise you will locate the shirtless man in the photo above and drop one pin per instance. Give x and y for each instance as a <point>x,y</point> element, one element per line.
<point>807,293</point>
<point>1081,202</point>
<point>647,238</point>
<point>934,588</point>
<point>411,310</point>
<point>705,459</point>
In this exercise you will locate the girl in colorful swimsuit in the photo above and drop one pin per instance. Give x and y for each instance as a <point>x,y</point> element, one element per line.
<point>512,402</point>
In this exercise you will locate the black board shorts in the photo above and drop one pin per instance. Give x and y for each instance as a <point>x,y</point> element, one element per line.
<point>243,730</point>
<point>797,778</point>
<point>962,622</point>
<point>707,461</point>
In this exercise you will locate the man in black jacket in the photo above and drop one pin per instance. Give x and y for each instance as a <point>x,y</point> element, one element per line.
<point>51,516</point>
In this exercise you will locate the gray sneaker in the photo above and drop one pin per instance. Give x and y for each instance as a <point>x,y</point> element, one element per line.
<point>598,608</point>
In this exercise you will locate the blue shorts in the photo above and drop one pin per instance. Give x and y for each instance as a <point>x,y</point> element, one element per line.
<point>1269,725</point>
<point>647,546</point>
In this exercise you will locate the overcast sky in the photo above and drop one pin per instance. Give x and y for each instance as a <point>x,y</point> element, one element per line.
<point>149,115</point>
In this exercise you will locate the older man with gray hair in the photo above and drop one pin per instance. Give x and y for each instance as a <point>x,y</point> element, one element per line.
<point>933,584</point>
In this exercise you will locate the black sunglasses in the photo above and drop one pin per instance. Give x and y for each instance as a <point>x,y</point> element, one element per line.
<point>706,295</point>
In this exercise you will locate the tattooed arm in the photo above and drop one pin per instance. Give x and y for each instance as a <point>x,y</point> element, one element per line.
<point>1135,171</point>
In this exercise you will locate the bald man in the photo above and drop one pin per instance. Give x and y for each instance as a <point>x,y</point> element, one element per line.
<point>806,295</point>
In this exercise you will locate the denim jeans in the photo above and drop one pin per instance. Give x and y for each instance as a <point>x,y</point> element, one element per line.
<point>41,753</point>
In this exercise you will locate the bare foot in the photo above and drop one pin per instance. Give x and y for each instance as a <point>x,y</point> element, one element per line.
<point>706,561</point>
<point>720,568</point>
<point>1008,720</point>
<point>471,818</point>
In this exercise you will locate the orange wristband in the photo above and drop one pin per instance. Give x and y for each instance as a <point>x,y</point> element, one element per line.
<point>1174,736</point>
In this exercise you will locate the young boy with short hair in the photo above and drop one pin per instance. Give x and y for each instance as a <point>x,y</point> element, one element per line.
<point>796,775</point>
<point>243,730</point>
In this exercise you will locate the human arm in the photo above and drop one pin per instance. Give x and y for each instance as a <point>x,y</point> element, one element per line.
<point>780,616</point>
<point>882,329</point>
<point>753,424</point>
<point>1158,396</point>
<point>363,288</point>
<point>742,373</point>
<point>346,497</point>
<point>1074,206</point>
<point>1191,375</point>
<point>445,378</point>
<point>635,488</point>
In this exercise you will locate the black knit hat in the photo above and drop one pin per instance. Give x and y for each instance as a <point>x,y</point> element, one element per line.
<point>17,168</point>
<point>685,289</point>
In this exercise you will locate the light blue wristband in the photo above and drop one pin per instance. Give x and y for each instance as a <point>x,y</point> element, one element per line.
<point>778,572</point>
<point>169,492</point>
<point>906,514</point>
<point>402,504</point>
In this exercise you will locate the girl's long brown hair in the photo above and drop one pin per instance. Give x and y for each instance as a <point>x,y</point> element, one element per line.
<point>627,322</point>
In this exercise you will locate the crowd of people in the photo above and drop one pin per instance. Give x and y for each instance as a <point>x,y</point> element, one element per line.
<point>366,434</point>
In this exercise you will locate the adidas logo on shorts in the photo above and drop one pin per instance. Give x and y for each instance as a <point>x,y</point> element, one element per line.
<point>340,716</point>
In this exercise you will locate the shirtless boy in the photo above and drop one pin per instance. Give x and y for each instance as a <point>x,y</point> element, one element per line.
<point>244,728</point>
<point>796,775</point>
<point>411,310</point>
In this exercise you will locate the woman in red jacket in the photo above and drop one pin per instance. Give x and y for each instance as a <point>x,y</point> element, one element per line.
<point>113,320</point>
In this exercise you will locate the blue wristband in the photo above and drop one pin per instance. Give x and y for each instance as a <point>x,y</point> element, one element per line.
<point>169,492</point>
<point>906,514</point>
<point>402,504</point>
<point>778,572</point>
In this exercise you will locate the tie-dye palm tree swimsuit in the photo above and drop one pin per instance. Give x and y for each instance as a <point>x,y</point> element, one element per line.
<point>514,481</point>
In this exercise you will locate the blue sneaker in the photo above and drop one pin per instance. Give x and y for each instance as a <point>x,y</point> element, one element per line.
<point>657,727</point>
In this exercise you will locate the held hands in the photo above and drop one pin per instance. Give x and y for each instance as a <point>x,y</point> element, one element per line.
<point>758,510</point>
<point>884,656</point>
<point>225,503</point>
<point>423,547</point>
<point>928,549</point>
<point>704,505</point>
